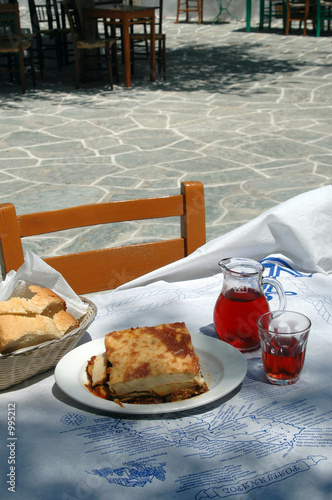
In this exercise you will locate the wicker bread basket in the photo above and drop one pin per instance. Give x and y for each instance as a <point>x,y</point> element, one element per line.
<point>23,364</point>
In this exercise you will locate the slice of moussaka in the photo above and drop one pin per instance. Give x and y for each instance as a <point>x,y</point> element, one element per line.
<point>147,365</point>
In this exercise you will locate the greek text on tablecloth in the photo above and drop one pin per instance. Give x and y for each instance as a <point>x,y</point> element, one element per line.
<point>219,441</point>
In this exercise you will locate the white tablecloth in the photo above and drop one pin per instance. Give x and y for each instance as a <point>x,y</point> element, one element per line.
<point>261,441</point>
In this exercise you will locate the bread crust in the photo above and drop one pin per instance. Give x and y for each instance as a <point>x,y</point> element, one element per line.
<point>65,322</point>
<point>44,301</point>
<point>17,332</point>
<point>26,322</point>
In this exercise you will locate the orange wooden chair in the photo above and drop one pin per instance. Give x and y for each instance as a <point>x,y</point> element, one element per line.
<point>107,268</point>
<point>299,10</point>
<point>188,6</point>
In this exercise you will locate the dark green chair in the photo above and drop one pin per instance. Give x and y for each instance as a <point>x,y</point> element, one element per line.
<point>324,14</point>
<point>270,9</point>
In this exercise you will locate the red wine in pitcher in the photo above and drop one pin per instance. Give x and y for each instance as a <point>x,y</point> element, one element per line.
<point>235,316</point>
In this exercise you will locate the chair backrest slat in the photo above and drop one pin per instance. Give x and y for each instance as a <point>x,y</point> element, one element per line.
<point>103,213</point>
<point>10,28</point>
<point>131,261</point>
<point>44,15</point>
<point>73,19</point>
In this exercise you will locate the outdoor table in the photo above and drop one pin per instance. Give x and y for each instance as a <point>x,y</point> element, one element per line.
<point>257,441</point>
<point>125,16</point>
<point>221,9</point>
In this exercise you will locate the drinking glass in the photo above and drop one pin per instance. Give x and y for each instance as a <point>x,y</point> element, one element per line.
<point>283,337</point>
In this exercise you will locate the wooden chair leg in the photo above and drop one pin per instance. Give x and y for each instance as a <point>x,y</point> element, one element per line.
<point>58,51</point>
<point>199,11</point>
<point>287,23</point>
<point>22,75</point>
<point>40,55</point>
<point>164,58</point>
<point>77,71</point>
<point>158,55</point>
<point>10,66</point>
<point>32,65</point>
<point>178,12</point>
<point>270,15</point>
<point>115,61</point>
<point>109,63</point>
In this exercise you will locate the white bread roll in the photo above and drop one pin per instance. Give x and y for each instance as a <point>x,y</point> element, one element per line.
<point>29,322</point>
<point>17,332</point>
<point>65,322</point>
<point>44,302</point>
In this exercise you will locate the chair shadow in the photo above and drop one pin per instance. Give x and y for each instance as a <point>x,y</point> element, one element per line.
<point>220,69</point>
<point>191,68</point>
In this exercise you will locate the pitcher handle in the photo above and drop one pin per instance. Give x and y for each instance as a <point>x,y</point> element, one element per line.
<point>280,291</point>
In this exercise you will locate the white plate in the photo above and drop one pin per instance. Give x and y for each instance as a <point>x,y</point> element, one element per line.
<point>223,368</point>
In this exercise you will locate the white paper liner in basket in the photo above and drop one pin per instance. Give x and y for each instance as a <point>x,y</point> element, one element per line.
<point>34,271</point>
<point>23,364</point>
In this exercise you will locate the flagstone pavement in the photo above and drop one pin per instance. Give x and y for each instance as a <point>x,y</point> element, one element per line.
<point>248,114</point>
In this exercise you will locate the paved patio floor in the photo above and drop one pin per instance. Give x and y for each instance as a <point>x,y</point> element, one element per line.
<point>248,114</point>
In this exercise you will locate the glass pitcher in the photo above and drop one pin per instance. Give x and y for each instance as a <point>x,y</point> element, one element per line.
<point>242,301</point>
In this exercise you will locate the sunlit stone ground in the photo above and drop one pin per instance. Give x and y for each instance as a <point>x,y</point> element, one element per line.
<point>248,114</point>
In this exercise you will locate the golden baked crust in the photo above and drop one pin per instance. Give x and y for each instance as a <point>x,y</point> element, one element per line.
<point>25,322</point>
<point>152,364</point>
<point>65,322</point>
<point>44,301</point>
<point>47,299</point>
<point>17,332</point>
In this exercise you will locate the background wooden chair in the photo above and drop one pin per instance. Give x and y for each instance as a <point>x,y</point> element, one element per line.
<point>188,6</point>
<point>50,34</point>
<point>13,45</point>
<point>93,45</point>
<point>143,38</point>
<point>108,268</point>
<point>298,10</point>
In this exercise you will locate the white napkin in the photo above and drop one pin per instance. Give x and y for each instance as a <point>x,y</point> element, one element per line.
<point>34,271</point>
<point>299,229</point>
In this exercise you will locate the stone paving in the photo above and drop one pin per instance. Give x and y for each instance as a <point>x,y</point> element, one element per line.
<point>248,114</point>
